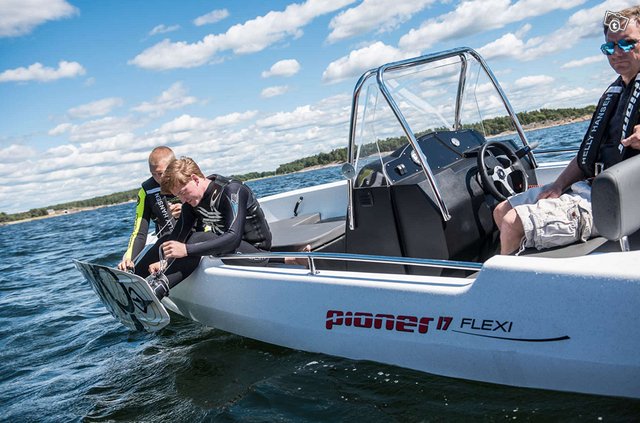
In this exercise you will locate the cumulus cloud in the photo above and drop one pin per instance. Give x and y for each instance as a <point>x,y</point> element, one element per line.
<point>97,129</point>
<point>300,117</point>
<point>62,151</point>
<point>249,37</point>
<point>509,45</point>
<point>532,97</point>
<point>15,152</point>
<point>583,62</point>
<point>38,72</point>
<point>163,29</point>
<point>585,23</point>
<point>288,67</point>
<point>20,17</point>
<point>173,98</point>
<point>232,119</point>
<point>533,81</point>
<point>186,123</point>
<point>465,20</point>
<point>95,108</point>
<point>105,155</point>
<point>211,17</point>
<point>60,129</point>
<point>382,15</point>
<point>274,91</point>
<point>362,59</point>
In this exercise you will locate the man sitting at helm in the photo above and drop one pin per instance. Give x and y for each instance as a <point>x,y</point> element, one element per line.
<point>548,216</point>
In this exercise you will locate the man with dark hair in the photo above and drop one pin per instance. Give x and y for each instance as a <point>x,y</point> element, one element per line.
<point>548,216</point>
<point>152,205</point>
<point>232,219</point>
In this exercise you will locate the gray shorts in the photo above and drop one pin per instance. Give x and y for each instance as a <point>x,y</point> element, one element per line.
<point>553,222</point>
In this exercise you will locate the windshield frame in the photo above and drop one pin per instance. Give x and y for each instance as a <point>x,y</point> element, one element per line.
<point>463,53</point>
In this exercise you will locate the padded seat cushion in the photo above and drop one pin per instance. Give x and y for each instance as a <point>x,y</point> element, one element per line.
<point>294,233</point>
<point>615,198</point>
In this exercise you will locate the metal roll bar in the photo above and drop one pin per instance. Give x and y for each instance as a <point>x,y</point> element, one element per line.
<point>382,85</point>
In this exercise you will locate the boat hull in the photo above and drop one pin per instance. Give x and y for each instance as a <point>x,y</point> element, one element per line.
<point>565,324</point>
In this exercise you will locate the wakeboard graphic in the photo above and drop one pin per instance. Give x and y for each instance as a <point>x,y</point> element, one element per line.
<point>126,296</point>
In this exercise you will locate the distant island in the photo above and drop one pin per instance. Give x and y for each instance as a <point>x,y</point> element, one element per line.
<point>529,120</point>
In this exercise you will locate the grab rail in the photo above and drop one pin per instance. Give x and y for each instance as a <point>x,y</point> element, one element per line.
<point>312,256</point>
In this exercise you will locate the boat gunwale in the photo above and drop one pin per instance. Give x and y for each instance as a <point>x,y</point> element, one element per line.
<point>312,256</point>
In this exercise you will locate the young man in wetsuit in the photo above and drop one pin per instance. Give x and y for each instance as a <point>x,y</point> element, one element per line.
<point>548,216</point>
<point>152,205</point>
<point>232,219</point>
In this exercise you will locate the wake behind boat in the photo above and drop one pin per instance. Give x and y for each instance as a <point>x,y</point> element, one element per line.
<point>403,268</point>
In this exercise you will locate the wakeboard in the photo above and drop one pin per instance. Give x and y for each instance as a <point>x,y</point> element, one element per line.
<point>126,296</point>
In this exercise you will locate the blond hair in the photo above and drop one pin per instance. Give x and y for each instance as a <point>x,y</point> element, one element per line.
<point>178,173</point>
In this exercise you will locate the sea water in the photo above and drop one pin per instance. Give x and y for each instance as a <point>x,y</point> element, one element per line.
<point>64,358</point>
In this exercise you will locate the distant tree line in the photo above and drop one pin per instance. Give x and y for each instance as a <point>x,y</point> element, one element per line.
<point>501,124</point>
<point>491,126</point>
<point>105,200</point>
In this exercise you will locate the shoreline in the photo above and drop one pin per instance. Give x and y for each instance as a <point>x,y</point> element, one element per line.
<point>527,127</point>
<point>63,213</point>
<point>544,125</point>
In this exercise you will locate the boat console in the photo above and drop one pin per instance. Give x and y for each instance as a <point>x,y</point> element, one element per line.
<point>432,196</point>
<point>395,207</point>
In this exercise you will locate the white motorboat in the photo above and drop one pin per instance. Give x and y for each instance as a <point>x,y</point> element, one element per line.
<point>403,268</point>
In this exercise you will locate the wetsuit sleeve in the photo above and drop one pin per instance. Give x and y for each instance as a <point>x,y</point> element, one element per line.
<point>138,237</point>
<point>186,222</point>
<point>233,207</point>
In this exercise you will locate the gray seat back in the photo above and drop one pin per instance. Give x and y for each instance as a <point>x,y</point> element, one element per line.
<point>615,197</point>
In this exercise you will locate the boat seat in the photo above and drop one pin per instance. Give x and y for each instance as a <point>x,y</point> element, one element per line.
<point>576,249</point>
<point>615,201</point>
<point>294,233</point>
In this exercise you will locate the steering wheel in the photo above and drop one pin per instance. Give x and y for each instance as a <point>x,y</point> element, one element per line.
<point>495,174</point>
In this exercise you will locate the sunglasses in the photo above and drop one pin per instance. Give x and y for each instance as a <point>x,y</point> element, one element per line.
<point>624,45</point>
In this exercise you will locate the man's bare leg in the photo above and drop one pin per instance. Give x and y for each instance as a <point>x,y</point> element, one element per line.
<point>301,261</point>
<point>511,232</point>
<point>499,212</point>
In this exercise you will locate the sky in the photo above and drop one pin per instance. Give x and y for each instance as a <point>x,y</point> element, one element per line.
<point>88,88</point>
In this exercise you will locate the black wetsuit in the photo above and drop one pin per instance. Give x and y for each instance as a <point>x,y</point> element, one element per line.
<point>233,222</point>
<point>152,206</point>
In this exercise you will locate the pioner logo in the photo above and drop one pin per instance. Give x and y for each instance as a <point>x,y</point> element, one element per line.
<point>400,323</point>
<point>486,328</point>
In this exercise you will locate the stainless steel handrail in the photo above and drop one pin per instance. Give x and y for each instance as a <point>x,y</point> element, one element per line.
<point>461,86</point>
<point>403,64</point>
<point>409,132</point>
<point>505,101</point>
<point>352,137</point>
<point>312,256</point>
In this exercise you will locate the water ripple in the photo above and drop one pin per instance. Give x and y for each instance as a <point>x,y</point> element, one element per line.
<point>64,358</point>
